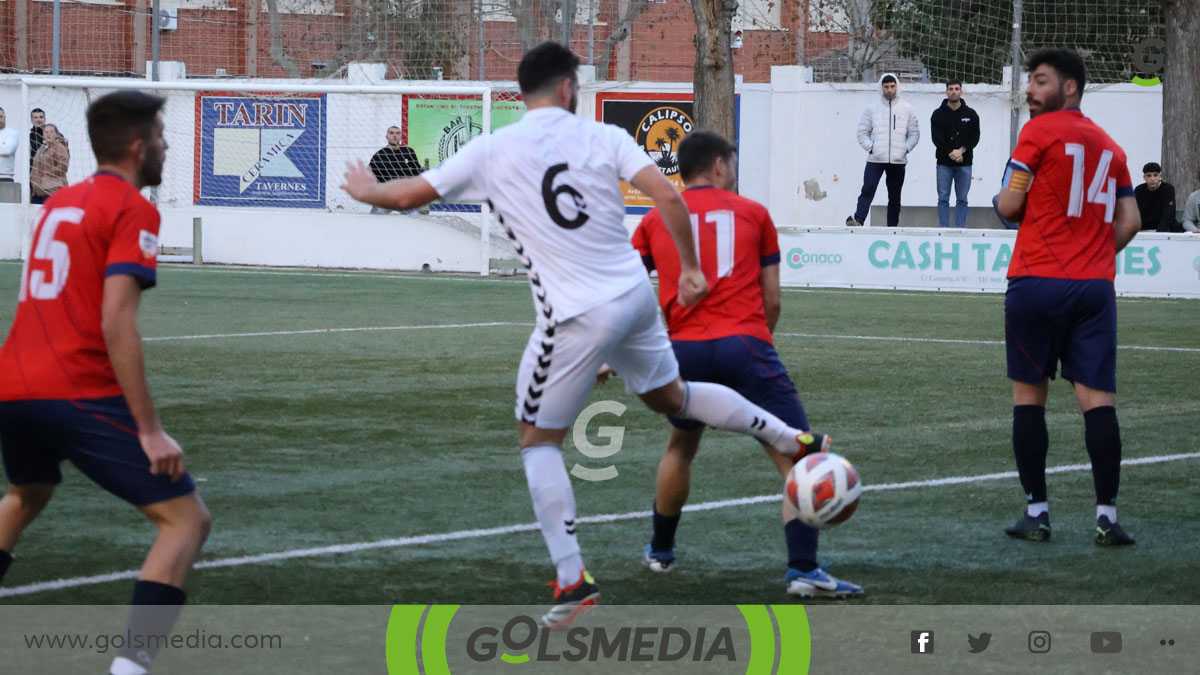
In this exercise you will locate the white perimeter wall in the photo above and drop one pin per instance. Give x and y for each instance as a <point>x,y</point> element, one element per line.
<point>791,131</point>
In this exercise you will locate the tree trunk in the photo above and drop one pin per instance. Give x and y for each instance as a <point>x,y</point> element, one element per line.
<point>713,77</point>
<point>1181,105</point>
<point>620,33</point>
<point>277,53</point>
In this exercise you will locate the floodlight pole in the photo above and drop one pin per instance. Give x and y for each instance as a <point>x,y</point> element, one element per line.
<point>1015,128</point>
<point>154,41</point>
<point>57,39</point>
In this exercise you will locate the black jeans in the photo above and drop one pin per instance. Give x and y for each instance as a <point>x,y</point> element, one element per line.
<point>895,183</point>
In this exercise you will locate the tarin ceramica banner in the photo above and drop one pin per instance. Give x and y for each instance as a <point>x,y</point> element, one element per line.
<point>658,122</point>
<point>435,127</point>
<point>260,150</point>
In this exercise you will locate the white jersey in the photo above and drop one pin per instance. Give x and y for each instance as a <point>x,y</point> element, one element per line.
<point>553,180</point>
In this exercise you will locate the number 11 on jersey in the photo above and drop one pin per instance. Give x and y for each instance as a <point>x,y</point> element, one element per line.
<point>720,223</point>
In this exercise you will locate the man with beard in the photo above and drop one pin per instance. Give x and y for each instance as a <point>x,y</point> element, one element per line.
<point>72,376</point>
<point>1068,185</point>
<point>553,180</point>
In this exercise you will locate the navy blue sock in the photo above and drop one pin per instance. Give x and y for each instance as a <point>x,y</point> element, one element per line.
<point>1031,443</point>
<point>664,532</point>
<point>802,545</point>
<point>5,560</point>
<point>156,607</point>
<point>1103,438</point>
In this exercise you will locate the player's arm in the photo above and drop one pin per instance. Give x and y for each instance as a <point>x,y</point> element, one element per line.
<point>1017,180</point>
<point>122,296</point>
<point>673,211</point>
<point>772,296</point>
<point>399,195</point>
<point>1126,221</point>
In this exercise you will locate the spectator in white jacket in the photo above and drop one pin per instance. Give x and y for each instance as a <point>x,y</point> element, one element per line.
<point>888,131</point>
<point>9,140</point>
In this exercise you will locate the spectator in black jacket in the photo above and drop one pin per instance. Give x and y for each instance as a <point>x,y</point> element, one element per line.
<point>1156,201</point>
<point>394,161</point>
<point>37,118</point>
<point>955,128</point>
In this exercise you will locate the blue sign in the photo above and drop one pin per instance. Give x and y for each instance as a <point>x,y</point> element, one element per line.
<point>260,151</point>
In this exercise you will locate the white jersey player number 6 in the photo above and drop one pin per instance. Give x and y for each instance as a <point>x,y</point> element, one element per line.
<point>550,195</point>
<point>50,249</point>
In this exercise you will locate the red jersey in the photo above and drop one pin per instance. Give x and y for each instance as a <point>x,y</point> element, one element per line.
<point>85,233</point>
<point>1078,172</point>
<point>736,239</point>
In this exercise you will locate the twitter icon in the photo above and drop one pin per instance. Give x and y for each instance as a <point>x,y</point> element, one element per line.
<point>978,644</point>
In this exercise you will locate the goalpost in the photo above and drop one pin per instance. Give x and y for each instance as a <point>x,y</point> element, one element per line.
<point>282,147</point>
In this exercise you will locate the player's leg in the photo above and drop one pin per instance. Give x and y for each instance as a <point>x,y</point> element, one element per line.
<point>871,175</point>
<point>895,185</point>
<point>672,484</point>
<point>1035,329</point>
<point>1090,362</point>
<point>27,445</point>
<point>557,372</point>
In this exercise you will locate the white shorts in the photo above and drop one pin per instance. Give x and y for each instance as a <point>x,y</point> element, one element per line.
<point>558,369</point>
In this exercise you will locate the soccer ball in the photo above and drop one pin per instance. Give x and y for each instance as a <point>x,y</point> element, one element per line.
<point>824,489</point>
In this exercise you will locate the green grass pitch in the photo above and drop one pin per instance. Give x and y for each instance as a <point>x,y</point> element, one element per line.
<point>314,439</point>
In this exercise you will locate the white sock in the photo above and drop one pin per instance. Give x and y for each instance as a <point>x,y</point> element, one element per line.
<point>1110,511</point>
<point>124,666</point>
<point>554,505</point>
<point>721,407</point>
<point>1037,508</point>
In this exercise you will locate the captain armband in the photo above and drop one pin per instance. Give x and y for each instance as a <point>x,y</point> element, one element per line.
<point>1017,177</point>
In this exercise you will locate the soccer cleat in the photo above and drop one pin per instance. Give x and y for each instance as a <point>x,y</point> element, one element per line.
<point>571,601</point>
<point>1033,528</point>
<point>659,561</point>
<point>1109,533</point>
<point>819,584</point>
<point>852,222</point>
<point>811,442</point>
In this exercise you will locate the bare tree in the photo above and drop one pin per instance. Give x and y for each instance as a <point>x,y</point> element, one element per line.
<point>712,78</point>
<point>1181,105</point>
<point>278,55</point>
<point>868,44</point>
<point>620,33</point>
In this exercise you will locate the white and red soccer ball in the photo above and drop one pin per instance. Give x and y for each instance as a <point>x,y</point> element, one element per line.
<point>824,489</point>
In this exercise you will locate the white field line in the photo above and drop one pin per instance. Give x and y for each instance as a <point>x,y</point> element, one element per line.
<point>60,584</point>
<point>322,331</point>
<point>885,338</point>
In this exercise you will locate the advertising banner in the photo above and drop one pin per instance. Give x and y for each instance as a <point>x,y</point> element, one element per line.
<point>435,127</point>
<point>658,122</point>
<point>260,150</point>
<point>1152,265</point>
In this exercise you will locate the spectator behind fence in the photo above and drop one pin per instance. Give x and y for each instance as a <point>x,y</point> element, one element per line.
<point>1191,211</point>
<point>955,130</point>
<point>1156,200</point>
<point>888,131</point>
<point>49,172</point>
<point>37,117</point>
<point>9,140</point>
<point>394,161</point>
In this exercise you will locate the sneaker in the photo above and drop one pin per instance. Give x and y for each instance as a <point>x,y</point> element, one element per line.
<point>571,601</point>
<point>819,584</point>
<point>1109,533</point>
<point>811,442</point>
<point>659,561</point>
<point>852,222</point>
<point>1031,528</point>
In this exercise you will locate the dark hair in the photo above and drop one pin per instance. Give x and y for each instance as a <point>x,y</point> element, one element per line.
<point>1065,61</point>
<point>951,83</point>
<point>115,120</point>
<point>1152,167</point>
<point>545,66</point>
<point>37,110</point>
<point>699,150</point>
<point>888,79</point>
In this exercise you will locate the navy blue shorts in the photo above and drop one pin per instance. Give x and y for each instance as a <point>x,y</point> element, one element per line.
<point>749,366</point>
<point>1051,320</point>
<point>97,435</point>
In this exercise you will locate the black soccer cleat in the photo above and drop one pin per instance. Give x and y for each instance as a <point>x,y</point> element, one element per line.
<point>1033,528</point>
<point>571,601</point>
<point>1111,534</point>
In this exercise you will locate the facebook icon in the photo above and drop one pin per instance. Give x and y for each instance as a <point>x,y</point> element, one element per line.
<point>922,642</point>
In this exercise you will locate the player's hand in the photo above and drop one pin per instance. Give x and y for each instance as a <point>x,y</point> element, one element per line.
<point>359,181</point>
<point>692,287</point>
<point>606,372</point>
<point>165,455</point>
